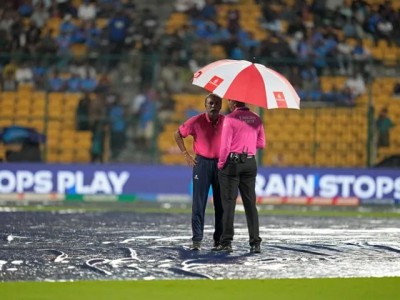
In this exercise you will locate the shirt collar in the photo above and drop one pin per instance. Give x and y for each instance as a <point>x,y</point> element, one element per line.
<point>209,120</point>
<point>242,108</point>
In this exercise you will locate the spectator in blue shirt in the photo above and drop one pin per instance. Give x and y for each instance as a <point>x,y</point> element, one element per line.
<point>25,9</point>
<point>209,11</point>
<point>63,42</point>
<point>39,74</point>
<point>56,83</point>
<point>118,27</point>
<point>74,83</point>
<point>67,26</point>
<point>88,84</point>
<point>92,34</point>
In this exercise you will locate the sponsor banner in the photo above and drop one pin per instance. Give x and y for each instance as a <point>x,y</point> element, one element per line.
<point>351,201</point>
<point>32,197</point>
<point>381,201</point>
<point>92,198</point>
<point>298,186</point>
<point>322,201</point>
<point>270,200</point>
<point>295,200</point>
<point>89,179</point>
<point>341,201</point>
<point>343,186</point>
<point>175,198</point>
<point>9,197</point>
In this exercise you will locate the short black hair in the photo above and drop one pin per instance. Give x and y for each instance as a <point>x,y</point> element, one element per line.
<point>213,97</point>
<point>238,103</point>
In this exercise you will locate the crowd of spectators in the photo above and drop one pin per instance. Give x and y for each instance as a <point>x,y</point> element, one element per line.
<point>316,38</point>
<point>304,40</point>
<point>40,42</point>
<point>42,37</point>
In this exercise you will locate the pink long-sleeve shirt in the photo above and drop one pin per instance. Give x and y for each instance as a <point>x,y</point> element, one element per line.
<point>206,136</point>
<point>243,130</point>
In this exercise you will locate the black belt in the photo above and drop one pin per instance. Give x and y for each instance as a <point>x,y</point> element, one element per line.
<point>238,158</point>
<point>208,158</point>
<point>232,154</point>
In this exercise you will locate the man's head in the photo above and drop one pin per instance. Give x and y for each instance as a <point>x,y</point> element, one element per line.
<point>213,104</point>
<point>233,104</point>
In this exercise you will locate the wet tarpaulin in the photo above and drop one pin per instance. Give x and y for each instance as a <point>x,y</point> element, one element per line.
<point>73,245</point>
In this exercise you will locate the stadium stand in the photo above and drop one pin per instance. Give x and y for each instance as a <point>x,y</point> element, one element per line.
<point>314,136</point>
<point>65,39</point>
<point>277,33</point>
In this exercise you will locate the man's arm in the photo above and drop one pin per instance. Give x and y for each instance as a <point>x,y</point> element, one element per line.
<point>226,141</point>
<point>181,144</point>
<point>261,137</point>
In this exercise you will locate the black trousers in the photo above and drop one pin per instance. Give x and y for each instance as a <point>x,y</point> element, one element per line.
<point>233,177</point>
<point>205,174</point>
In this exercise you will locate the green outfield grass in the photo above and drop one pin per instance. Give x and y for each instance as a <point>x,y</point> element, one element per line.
<point>275,289</point>
<point>142,207</point>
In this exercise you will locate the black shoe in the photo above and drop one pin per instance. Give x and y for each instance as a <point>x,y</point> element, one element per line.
<point>225,248</point>
<point>255,248</point>
<point>196,246</point>
<point>215,246</point>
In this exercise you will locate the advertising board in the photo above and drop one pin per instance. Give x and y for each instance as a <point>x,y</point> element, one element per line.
<point>322,186</point>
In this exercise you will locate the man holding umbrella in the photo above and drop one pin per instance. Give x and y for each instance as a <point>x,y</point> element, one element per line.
<point>242,135</point>
<point>206,131</point>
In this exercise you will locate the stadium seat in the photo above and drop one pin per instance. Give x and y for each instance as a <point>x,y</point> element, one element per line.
<point>38,124</point>
<point>53,24</point>
<point>2,153</point>
<point>67,144</point>
<point>84,135</point>
<point>66,156</point>
<point>53,142</point>
<point>39,97</point>
<point>55,110</point>
<point>4,121</point>
<point>25,87</point>
<point>78,50</point>
<point>218,52</point>
<point>82,156</point>
<point>101,22</point>
<point>72,99</point>
<point>22,113</point>
<point>52,157</point>
<point>21,122</point>
<point>55,98</point>
<point>7,111</point>
<point>172,159</point>
<point>176,21</point>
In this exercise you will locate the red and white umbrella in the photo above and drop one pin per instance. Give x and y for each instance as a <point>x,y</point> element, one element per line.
<point>247,82</point>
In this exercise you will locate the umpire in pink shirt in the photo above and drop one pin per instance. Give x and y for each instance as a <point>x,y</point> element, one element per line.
<point>242,135</point>
<point>206,129</point>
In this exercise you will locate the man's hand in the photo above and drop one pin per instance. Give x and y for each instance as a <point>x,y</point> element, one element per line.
<point>189,159</point>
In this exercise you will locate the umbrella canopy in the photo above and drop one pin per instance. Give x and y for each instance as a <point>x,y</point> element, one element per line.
<point>247,82</point>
